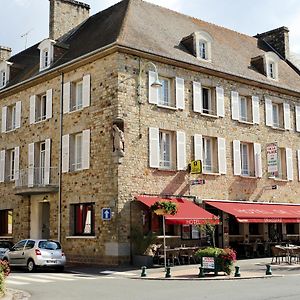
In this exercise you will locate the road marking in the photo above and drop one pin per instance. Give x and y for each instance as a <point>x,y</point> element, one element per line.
<point>30,279</point>
<point>53,277</point>
<point>11,281</point>
<point>117,273</point>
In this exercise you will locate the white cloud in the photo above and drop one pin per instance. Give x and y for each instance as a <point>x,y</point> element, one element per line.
<point>21,2</point>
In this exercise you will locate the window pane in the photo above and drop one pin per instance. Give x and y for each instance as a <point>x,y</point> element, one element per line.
<point>244,159</point>
<point>207,154</point>
<point>206,101</point>
<point>275,115</point>
<point>78,151</point>
<point>84,219</point>
<point>6,220</point>
<point>202,49</point>
<point>243,109</point>
<point>165,149</point>
<point>78,95</point>
<point>165,92</point>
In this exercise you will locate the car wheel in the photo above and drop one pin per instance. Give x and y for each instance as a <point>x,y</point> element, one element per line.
<point>31,266</point>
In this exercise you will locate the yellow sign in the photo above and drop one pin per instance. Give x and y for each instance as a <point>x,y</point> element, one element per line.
<point>196,167</point>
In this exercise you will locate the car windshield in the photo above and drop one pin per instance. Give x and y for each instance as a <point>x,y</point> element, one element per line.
<point>4,244</point>
<point>49,245</point>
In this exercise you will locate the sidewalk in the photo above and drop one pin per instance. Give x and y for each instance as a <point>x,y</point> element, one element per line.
<point>250,268</point>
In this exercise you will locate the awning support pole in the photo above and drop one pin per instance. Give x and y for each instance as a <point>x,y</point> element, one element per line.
<point>165,252</point>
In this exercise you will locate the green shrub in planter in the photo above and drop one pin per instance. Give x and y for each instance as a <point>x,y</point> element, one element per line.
<point>4,272</point>
<point>224,258</point>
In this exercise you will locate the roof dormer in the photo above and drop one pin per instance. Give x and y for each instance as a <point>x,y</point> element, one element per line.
<point>4,73</point>
<point>200,44</point>
<point>46,48</point>
<point>267,64</point>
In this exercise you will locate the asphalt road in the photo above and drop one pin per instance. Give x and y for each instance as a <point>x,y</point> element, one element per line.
<point>120,285</point>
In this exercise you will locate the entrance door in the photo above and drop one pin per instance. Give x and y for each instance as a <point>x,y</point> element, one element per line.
<point>275,232</point>
<point>45,214</point>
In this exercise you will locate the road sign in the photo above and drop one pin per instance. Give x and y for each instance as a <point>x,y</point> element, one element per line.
<point>106,214</point>
<point>196,167</point>
<point>197,181</point>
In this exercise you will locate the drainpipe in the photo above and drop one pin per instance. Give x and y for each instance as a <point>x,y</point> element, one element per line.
<point>60,157</point>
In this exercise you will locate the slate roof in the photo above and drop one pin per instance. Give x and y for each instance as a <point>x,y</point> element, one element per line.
<point>154,29</point>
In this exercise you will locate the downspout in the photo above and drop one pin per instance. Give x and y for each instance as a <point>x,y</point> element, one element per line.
<point>60,157</point>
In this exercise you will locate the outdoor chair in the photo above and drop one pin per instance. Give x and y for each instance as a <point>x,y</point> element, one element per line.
<point>277,254</point>
<point>174,257</point>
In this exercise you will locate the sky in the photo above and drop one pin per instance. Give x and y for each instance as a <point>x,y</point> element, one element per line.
<point>249,17</point>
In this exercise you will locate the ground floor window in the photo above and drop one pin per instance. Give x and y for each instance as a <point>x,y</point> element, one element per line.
<point>6,218</point>
<point>83,218</point>
<point>292,228</point>
<point>190,232</point>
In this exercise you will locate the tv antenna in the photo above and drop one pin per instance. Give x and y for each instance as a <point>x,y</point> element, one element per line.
<point>25,35</point>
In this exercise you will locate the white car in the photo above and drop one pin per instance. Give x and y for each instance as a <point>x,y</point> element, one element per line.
<point>36,253</point>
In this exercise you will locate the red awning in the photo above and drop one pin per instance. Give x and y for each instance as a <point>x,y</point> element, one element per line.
<point>188,212</point>
<point>259,212</point>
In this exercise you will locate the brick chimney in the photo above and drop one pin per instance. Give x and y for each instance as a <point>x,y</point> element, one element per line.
<point>277,39</point>
<point>5,53</point>
<point>65,15</point>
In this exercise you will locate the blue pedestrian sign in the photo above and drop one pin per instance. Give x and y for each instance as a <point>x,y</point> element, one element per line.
<point>106,214</point>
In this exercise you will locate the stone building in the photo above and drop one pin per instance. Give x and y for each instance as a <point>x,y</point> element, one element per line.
<point>225,97</point>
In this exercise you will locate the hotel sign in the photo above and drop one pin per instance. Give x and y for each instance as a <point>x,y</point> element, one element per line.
<point>272,159</point>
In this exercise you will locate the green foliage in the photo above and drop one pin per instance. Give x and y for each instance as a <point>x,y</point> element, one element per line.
<point>140,241</point>
<point>224,258</point>
<point>4,272</point>
<point>169,208</point>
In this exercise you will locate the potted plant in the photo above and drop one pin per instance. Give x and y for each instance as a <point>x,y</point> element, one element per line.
<point>4,272</point>
<point>142,247</point>
<point>164,208</point>
<point>224,258</point>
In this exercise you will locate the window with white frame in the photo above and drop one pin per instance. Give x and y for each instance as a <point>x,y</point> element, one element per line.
<point>208,101</point>
<point>166,140</point>
<point>77,95</point>
<point>167,149</point>
<point>271,65</point>
<point>11,155</point>
<point>6,222</point>
<point>2,78</point>
<point>203,49</point>
<point>46,48</point>
<point>165,92</point>
<point>83,219</point>
<point>76,151</point>
<point>281,164</point>
<point>45,58</point>
<point>210,149</point>
<point>277,114</point>
<point>247,159</point>
<point>41,107</point>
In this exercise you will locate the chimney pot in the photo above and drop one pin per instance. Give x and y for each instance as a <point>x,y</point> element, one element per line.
<point>5,53</point>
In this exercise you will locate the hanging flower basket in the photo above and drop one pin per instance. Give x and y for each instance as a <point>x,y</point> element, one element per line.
<point>164,208</point>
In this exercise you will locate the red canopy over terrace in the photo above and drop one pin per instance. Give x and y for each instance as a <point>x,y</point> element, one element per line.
<point>246,212</point>
<point>188,212</point>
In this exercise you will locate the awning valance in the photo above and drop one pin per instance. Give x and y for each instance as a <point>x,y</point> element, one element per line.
<point>188,212</point>
<point>259,212</point>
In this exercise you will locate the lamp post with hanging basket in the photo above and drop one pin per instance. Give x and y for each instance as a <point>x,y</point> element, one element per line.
<point>163,208</point>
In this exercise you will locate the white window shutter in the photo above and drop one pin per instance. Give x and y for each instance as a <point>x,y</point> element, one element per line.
<point>179,93</point>
<point>47,160</point>
<point>49,104</point>
<point>298,157</point>
<point>269,112</point>
<point>287,116</point>
<point>198,147</point>
<point>255,110</point>
<point>153,91</point>
<point>30,165</point>
<point>297,111</point>
<point>220,101</point>
<point>2,165</point>
<point>289,163</point>
<point>66,97</point>
<point>222,155</point>
<point>86,137</point>
<point>4,116</point>
<point>17,163</point>
<point>65,153</point>
<point>181,151</point>
<point>86,93</point>
<point>32,109</point>
<point>257,160</point>
<point>154,156</point>
<point>236,157</point>
<point>235,107</point>
<point>197,97</point>
<point>18,114</point>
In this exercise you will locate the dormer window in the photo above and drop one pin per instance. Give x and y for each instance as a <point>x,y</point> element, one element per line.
<point>4,73</point>
<point>202,44</point>
<point>203,49</point>
<point>271,65</point>
<point>46,48</point>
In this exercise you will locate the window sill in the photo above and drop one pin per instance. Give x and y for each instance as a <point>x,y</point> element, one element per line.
<point>41,121</point>
<point>246,122</point>
<point>166,107</point>
<point>279,179</point>
<point>211,173</point>
<point>81,237</point>
<point>6,237</point>
<point>75,110</point>
<point>10,130</point>
<point>166,170</point>
<point>209,115</point>
<point>278,128</point>
<point>249,177</point>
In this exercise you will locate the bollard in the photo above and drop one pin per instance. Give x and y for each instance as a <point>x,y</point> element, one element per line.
<point>237,272</point>
<point>144,274</point>
<point>201,272</point>
<point>269,270</point>
<point>168,272</point>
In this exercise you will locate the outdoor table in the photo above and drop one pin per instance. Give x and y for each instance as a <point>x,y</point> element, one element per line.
<point>289,249</point>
